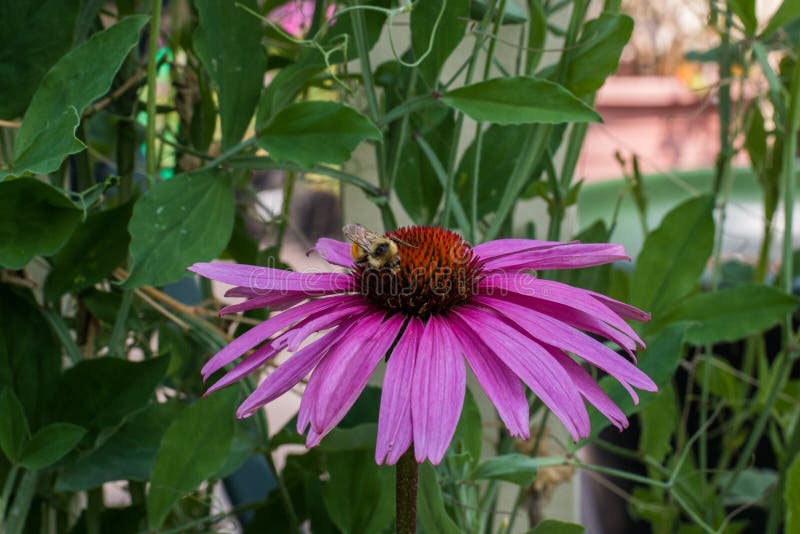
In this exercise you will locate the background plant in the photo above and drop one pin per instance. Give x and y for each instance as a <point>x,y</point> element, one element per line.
<point>130,131</point>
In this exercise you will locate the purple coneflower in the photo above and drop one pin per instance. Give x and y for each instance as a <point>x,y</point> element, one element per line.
<point>446,302</point>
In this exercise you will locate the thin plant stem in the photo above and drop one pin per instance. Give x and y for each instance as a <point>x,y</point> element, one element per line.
<point>5,497</point>
<point>402,135</point>
<point>722,182</point>
<point>451,163</point>
<point>120,329</point>
<point>93,510</point>
<point>406,479</point>
<point>476,171</point>
<point>359,32</point>
<point>285,497</point>
<point>784,364</point>
<point>473,229</point>
<point>537,137</point>
<point>14,522</point>
<point>152,54</point>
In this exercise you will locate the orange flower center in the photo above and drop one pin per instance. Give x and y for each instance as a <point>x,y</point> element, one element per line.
<point>437,271</point>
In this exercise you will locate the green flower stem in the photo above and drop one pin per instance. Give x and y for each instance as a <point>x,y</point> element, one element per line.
<point>5,497</point>
<point>406,478</point>
<point>152,71</point>
<point>722,185</point>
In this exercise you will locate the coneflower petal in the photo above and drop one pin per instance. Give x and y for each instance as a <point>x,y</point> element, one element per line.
<point>589,388</point>
<point>569,256</point>
<point>333,251</point>
<point>500,384</point>
<point>437,391</point>
<point>533,365</point>
<point>265,279</point>
<point>291,371</point>
<point>553,332</point>
<point>394,421</point>
<point>342,375</point>
<point>273,325</point>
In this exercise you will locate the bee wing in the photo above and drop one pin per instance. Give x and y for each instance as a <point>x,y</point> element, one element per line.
<point>359,235</point>
<point>406,243</point>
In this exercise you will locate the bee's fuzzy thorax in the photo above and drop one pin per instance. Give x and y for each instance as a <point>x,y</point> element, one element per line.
<point>437,271</point>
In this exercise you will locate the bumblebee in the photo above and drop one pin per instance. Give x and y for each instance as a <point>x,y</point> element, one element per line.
<point>377,251</point>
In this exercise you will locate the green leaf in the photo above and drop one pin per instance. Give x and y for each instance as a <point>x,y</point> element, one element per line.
<point>193,448</point>
<point>79,78</point>
<point>723,379</point>
<point>346,439</point>
<point>659,420</point>
<point>30,356</point>
<point>94,250</point>
<point>431,514</point>
<point>552,526</point>
<point>659,361</point>
<point>789,11</point>
<point>520,100</point>
<point>732,314</point>
<point>763,158</point>
<point>128,454</point>
<point>26,56</point>
<point>283,89</point>
<point>687,232</point>
<point>359,496</point>
<point>791,496</point>
<point>50,444</point>
<point>204,116</point>
<point>102,392</point>
<point>34,219</point>
<point>55,142</point>
<point>516,468</point>
<point>469,432</point>
<point>512,13</point>
<point>313,132</point>
<point>14,430</point>
<point>500,149</point>
<point>752,486</point>
<point>228,42</point>
<point>186,219</point>
<point>745,10</point>
<point>446,37</point>
<point>597,53</point>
